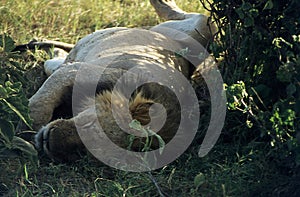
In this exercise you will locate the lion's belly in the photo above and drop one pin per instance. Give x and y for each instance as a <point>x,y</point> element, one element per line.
<point>126,48</point>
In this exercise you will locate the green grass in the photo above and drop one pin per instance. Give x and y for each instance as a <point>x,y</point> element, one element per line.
<point>224,173</point>
<point>68,20</point>
<point>230,169</point>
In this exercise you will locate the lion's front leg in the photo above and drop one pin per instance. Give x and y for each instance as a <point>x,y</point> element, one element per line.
<point>60,140</point>
<point>51,94</point>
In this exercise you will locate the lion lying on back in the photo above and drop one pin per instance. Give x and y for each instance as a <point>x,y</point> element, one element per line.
<point>111,54</point>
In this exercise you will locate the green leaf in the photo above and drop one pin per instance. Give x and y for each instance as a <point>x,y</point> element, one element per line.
<point>24,146</point>
<point>13,108</point>
<point>286,72</point>
<point>291,89</point>
<point>160,140</point>
<point>135,124</point>
<point>269,5</point>
<point>254,12</point>
<point>6,130</point>
<point>199,179</point>
<point>3,92</point>
<point>249,124</point>
<point>246,6</point>
<point>26,172</point>
<point>288,117</point>
<point>7,43</point>
<point>249,21</point>
<point>240,12</point>
<point>182,52</point>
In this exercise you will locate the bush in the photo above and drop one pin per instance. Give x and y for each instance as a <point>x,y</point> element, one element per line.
<point>258,49</point>
<point>13,103</point>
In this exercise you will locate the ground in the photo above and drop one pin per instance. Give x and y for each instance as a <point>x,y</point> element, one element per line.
<point>232,168</point>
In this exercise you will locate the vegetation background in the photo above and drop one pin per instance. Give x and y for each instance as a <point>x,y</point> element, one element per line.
<point>258,153</point>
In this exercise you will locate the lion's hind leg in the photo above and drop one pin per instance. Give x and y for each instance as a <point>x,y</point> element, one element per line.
<point>168,9</point>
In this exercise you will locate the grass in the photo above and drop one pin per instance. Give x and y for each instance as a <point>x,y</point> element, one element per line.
<point>68,20</point>
<point>230,169</point>
<point>223,174</point>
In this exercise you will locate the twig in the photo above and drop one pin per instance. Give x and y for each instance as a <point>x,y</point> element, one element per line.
<point>44,44</point>
<point>156,185</point>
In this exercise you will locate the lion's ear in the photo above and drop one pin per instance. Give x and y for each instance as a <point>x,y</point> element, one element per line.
<point>139,108</point>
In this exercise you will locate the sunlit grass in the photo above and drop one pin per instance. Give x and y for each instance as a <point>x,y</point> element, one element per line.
<point>68,20</point>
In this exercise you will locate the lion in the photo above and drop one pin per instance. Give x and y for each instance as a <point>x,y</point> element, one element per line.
<point>81,92</point>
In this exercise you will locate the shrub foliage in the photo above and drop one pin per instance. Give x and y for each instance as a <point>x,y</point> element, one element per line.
<point>258,49</point>
<point>13,102</point>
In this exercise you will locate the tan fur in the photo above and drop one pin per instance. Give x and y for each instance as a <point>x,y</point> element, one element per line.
<point>59,138</point>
